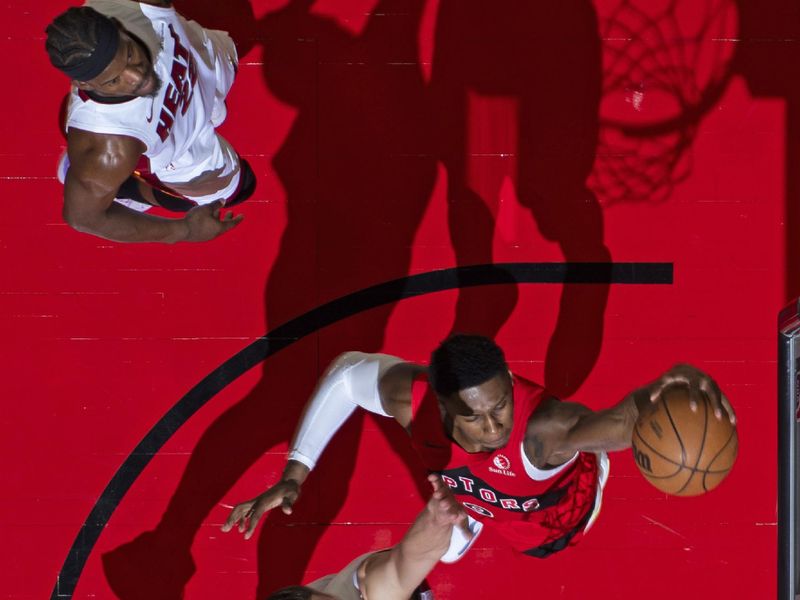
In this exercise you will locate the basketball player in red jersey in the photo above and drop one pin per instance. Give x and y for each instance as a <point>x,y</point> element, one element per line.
<point>514,455</point>
<point>148,91</point>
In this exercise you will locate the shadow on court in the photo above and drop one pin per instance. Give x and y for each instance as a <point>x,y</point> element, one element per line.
<point>359,166</point>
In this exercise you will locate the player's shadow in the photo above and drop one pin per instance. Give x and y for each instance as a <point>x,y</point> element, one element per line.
<point>530,74</point>
<point>767,57</point>
<point>358,167</point>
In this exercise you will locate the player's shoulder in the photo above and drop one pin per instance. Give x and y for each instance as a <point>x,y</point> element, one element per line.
<point>91,152</point>
<point>135,118</point>
<point>135,111</point>
<point>552,415</point>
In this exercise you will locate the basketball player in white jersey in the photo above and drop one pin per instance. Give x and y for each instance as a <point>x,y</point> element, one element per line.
<point>148,90</point>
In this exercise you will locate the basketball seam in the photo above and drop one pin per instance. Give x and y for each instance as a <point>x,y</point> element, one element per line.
<point>675,429</point>
<point>702,444</point>
<point>657,453</point>
<point>672,462</point>
<point>680,441</point>
<point>716,456</point>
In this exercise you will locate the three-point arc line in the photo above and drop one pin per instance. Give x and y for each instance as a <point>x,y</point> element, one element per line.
<point>308,323</point>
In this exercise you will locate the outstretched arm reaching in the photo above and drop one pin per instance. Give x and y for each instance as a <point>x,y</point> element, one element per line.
<point>396,573</point>
<point>378,383</point>
<point>557,430</point>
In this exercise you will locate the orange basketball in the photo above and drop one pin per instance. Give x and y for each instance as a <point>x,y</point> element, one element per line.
<point>682,452</point>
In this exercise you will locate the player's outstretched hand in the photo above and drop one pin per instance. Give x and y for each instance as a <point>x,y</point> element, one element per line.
<point>699,384</point>
<point>446,510</point>
<point>208,221</point>
<point>247,514</point>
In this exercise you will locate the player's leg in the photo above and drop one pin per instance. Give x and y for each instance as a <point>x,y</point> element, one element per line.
<point>559,103</point>
<point>473,182</point>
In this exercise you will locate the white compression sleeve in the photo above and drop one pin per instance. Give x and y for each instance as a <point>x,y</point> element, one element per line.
<point>350,381</point>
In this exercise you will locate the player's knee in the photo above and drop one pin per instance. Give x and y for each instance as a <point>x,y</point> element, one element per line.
<point>572,220</point>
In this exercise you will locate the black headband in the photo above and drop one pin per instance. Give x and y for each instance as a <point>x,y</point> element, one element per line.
<point>102,55</point>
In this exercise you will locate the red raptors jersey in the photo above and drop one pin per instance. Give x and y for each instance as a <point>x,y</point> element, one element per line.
<point>537,517</point>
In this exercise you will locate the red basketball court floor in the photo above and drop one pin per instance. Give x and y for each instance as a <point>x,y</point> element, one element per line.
<point>399,138</point>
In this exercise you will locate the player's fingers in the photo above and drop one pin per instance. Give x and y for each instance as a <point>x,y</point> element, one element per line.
<point>695,396</point>
<point>659,387</point>
<point>714,395</point>
<point>655,389</point>
<point>286,505</point>
<point>255,517</point>
<point>233,518</point>
<point>247,517</point>
<point>457,514</point>
<point>226,526</point>
<point>231,223</point>
<point>696,393</point>
<point>216,208</point>
<point>728,408</point>
<point>679,374</point>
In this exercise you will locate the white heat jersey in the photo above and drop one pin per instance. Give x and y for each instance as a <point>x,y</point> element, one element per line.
<point>196,67</point>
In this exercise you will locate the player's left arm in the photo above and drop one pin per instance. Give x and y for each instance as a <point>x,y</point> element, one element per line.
<point>557,430</point>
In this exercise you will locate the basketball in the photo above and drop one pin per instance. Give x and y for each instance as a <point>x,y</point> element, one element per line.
<point>682,452</point>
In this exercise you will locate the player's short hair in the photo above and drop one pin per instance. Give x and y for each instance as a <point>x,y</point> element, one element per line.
<point>73,38</point>
<point>294,592</point>
<point>462,361</point>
